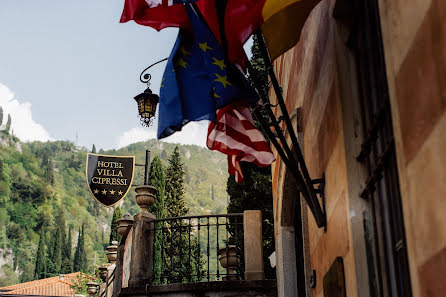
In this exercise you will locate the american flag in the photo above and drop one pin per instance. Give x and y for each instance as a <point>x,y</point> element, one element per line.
<point>154,3</point>
<point>235,135</point>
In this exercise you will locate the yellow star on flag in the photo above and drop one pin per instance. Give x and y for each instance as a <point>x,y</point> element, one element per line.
<point>222,79</point>
<point>182,63</point>
<point>112,192</point>
<point>183,51</point>
<point>204,46</point>
<point>219,63</point>
<point>162,82</point>
<point>216,95</point>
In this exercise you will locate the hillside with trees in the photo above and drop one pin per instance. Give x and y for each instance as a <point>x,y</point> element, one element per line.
<point>51,224</point>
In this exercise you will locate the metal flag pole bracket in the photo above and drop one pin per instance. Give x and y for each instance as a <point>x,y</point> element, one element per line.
<point>292,158</point>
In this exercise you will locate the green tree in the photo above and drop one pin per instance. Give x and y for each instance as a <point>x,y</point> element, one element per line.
<point>1,115</point>
<point>49,172</point>
<point>80,257</point>
<point>57,243</point>
<point>40,269</point>
<point>255,192</point>
<point>67,266</point>
<point>174,199</point>
<point>93,149</point>
<point>8,124</point>
<point>114,236</point>
<point>157,180</point>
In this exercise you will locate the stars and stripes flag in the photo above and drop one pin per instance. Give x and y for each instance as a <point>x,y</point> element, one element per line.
<point>155,3</point>
<point>235,135</point>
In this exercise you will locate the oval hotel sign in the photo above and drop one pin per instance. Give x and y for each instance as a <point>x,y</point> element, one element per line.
<point>109,177</point>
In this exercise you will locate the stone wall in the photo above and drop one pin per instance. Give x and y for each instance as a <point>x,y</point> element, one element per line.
<point>414,43</point>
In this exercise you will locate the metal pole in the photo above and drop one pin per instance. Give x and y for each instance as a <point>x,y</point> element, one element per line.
<point>147,168</point>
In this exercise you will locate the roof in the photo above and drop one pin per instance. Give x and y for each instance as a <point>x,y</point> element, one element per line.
<point>52,286</point>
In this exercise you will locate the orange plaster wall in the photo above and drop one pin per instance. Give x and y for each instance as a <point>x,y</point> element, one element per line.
<point>414,44</point>
<point>308,74</point>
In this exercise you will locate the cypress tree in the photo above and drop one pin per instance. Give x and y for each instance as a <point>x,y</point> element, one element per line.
<point>49,172</point>
<point>80,257</point>
<point>40,269</point>
<point>8,124</point>
<point>57,243</point>
<point>114,236</point>
<point>174,195</point>
<point>66,255</point>
<point>93,149</point>
<point>157,180</point>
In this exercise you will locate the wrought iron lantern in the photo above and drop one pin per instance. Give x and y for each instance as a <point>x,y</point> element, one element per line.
<point>147,101</point>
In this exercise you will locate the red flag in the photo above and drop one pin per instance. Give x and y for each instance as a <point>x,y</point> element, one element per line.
<point>235,135</point>
<point>242,18</point>
<point>158,17</point>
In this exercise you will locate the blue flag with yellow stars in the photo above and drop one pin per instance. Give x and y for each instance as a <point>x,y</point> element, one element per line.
<point>198,80</point>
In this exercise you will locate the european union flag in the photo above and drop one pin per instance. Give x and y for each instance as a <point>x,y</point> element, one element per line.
<point>197,80</point>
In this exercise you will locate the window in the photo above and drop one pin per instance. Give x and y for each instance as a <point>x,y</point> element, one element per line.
<point>390,271</point>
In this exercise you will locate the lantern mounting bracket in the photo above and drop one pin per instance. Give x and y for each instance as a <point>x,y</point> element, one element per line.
<point>146,77</point>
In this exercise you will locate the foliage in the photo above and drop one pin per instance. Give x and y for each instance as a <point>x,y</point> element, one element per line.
<point>255,192</point>
<point>1,115</point>
<point>114,236</point>
<point>80,257</point>
<point>30,202</point>
<point>8,124</point>
<point>93,149</point>
<point>80,282</point>
<point>40,270</point>
<point>175,204</point>
<point>157,179</point>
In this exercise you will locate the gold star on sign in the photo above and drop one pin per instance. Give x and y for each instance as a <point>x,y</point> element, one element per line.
<point>112,192</point>
<point>222,79</point>
<point>104,192</point>
<point>120,193</point>
<point>219,63</point>
<point>183,51</point>
<point>204,46</point>
<point>182,63</point>
<point>96,191</point>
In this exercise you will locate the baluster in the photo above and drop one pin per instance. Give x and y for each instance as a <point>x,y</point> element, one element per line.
<point>171,251</point>
<point>199,252</point>
<point>227,249</point>
<point>189,255</point>
<point>208,252</point>
<point>162,258</point>
<point>218,248</point>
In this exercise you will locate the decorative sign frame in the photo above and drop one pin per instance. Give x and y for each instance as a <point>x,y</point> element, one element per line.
<point>109,178</point>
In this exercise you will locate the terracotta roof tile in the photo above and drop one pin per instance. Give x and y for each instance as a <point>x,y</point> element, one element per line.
<point>52,286</point>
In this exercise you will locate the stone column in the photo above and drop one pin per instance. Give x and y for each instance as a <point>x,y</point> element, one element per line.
<point>103,276</point>
<point>142,239</point>
<point>253,242</point>
<point>123,225</point>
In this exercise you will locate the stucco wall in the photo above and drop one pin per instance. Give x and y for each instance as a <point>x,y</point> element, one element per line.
<point>415,51</point>
<point>312,76</point>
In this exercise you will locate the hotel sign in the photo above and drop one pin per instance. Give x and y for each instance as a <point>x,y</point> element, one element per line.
<point>109,177</point>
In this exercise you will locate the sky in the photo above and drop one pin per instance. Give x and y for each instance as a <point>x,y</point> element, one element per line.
<point>69,70</point>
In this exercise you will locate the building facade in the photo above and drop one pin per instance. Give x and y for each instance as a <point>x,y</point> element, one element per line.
<point>366,90</point>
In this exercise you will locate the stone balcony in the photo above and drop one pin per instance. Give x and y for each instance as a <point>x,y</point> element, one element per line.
<point>209,255</point>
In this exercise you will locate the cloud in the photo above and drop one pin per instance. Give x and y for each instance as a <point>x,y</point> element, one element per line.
<point>23,125</point>
<point>192,133</point>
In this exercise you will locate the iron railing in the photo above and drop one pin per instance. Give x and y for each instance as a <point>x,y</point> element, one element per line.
<point>191,249</point>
